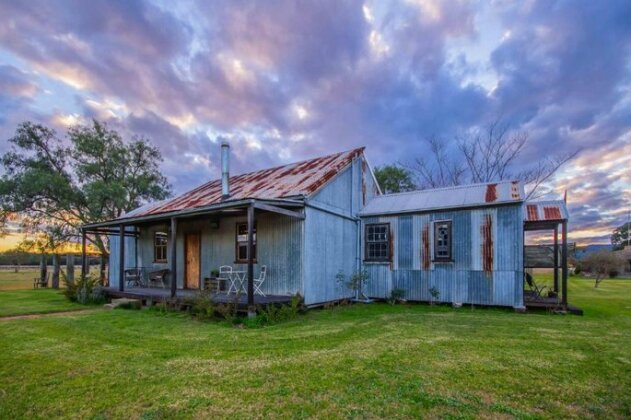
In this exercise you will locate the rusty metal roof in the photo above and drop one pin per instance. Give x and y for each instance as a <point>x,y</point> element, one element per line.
<point>545,211</point>
<point>473,195</point>
<point>293,180</point>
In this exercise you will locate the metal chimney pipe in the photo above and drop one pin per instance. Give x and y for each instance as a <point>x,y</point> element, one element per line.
<point>225,170</point>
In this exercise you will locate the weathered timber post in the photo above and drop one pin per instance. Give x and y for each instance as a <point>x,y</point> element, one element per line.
<point>173,256</point>
<point>43,269</point>
<point>564,262</point>
<point>121,259</point>
<point>70,268</point>
<point>556,259</point>
<point>102,276</point>
<point>84,263</point>
<point>250,257</point>
<point>56,269</point>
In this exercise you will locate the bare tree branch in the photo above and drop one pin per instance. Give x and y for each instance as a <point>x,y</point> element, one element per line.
<point>489,154</point>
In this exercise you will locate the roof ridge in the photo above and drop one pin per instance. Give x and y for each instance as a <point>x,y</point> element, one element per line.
<point>453,187</point>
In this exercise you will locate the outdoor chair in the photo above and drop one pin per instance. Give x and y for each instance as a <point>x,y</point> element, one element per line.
<point>39,282</point>
<point>225,275</point>
<point>158,276</point>
<point>133,277</point>
<point>534,287</point>
<point>260,280</point>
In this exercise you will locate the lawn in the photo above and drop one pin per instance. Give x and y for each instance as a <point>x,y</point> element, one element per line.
<point>17,296</point>
<point>9,280</point>
<point>24,302</point>
<point>357,361</point>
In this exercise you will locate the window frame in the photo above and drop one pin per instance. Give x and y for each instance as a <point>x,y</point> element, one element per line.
<point>237,243</point>
<point>388,256</point>
<point>156,235</point>
<point>436,257</point>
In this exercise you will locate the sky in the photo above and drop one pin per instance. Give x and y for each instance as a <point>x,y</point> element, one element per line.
<point>289,80</point>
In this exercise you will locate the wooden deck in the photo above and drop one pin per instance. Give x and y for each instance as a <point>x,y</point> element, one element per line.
<point>154,295</point>
<point>550,303</point>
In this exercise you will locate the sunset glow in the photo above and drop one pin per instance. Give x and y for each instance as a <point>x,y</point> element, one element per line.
<point>286,81</point>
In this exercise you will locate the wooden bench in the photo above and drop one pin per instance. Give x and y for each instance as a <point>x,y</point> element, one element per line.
<point>39,282</point>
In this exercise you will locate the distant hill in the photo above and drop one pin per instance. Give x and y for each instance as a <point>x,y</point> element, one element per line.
<point>582,251</point>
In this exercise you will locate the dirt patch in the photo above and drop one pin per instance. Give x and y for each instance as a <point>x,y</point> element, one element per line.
<point>49,314</point>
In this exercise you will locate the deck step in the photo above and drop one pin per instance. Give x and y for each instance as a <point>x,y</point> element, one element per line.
<point>125,303</point>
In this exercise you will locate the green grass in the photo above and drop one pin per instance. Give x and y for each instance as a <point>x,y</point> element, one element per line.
<point>9,280</point>
<point>23,279</point>
<point>24,302</point>
<point>357,361</point>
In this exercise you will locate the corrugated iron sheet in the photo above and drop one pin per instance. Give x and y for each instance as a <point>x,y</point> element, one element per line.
<point>474,195</point>
<point>550,210</point>
<point>296,179</point>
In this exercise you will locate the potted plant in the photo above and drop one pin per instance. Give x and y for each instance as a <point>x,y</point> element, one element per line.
<point>214,273</point>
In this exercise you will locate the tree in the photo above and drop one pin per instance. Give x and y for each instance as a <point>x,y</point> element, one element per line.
<point>93,175</point>
<point>394,179</point>
<point>621,236</point>
<point>602,263</point>
<point>484,155</point>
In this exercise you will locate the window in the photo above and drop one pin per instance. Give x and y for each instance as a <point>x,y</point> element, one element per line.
<point>160,247</point>
<point>442,241</point>
<point>242,243</point>
<point>377,242</point>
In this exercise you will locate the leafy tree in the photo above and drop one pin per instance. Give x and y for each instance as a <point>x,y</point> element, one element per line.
<point>394,179</point>
<point>601,263</point>
<point>620,236</point>
<point>92,175</point>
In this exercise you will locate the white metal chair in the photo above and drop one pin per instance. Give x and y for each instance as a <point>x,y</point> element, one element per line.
<point>259,281</point>
<point>225,273</point>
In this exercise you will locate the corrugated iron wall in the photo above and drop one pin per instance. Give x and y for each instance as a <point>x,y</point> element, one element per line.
<point>487,265</point>
<point>331,241</point>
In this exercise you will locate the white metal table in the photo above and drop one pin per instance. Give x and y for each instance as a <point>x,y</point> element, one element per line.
<point>237,281</point>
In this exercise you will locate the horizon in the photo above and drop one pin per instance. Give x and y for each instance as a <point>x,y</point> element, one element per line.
<point>283,83</point>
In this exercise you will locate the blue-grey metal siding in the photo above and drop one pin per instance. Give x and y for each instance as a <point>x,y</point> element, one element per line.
<point>463,280</point>
<point>332,241</point>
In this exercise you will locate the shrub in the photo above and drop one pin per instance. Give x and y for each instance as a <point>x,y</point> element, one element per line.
<point>396,295</point>
<point>229,310</point>
<point>435,294</point>
<point>202,305</point>
<point>85,290</point>
<point>356,282</point>
<point>578,269</point>
<point>273,314</point>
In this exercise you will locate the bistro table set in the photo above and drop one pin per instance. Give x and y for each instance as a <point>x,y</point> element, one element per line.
<point>237,279</point>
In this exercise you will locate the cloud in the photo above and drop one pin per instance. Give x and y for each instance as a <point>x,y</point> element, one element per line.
<point>284,81</point>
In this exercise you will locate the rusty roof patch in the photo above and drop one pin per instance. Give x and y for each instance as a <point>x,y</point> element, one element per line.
<point>296,179</point>
<point>532,212</point>
<point>491,193</point>
<point>551,213</point>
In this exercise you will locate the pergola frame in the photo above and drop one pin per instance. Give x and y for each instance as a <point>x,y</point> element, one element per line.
<point>553,225</point>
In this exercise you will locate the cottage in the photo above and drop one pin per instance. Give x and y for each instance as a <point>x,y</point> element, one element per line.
<point>293,228</point>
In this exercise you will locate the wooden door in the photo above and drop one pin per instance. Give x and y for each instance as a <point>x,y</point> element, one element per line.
<point>192,261</point>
